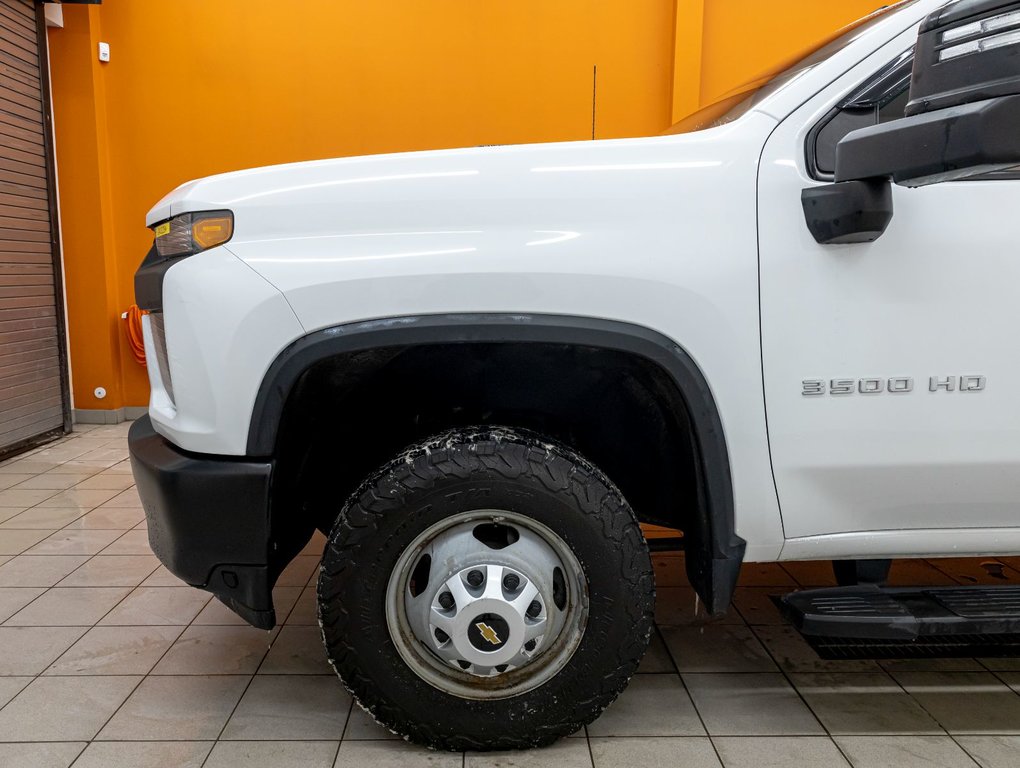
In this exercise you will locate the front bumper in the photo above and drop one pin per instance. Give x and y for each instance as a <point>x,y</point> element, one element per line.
<point>208,520</point>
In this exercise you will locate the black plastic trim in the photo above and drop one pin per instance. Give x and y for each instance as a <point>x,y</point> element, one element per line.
<point>149,279</point>
<point>848,211</point>
<point>953,14</point>
<point>208,520</point>
<point>714,551</point>
<point>971,77</point>
<point>953,143</point>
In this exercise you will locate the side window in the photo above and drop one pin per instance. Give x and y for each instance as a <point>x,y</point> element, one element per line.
<point>882,99</point>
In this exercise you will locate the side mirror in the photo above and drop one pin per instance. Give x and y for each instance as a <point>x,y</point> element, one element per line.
<point>962,119</point>
<point>944,145</point>
<point>848,212</point>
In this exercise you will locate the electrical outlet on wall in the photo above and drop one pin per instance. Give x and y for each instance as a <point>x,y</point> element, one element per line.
<point>104,51</point>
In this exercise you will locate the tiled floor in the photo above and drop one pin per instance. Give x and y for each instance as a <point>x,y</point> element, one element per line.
<point>107,660</point>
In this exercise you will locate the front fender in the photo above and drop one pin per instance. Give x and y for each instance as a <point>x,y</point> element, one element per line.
<point>714,551</point>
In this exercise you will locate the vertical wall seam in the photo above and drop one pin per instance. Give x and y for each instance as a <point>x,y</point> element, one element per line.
<point>688,38</point>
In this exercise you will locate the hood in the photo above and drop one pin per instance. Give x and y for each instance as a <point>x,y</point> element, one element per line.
<point>452,188</point>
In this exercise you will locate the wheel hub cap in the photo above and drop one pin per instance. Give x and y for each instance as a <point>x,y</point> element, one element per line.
<point>488,625</point>
<point>487,604</point>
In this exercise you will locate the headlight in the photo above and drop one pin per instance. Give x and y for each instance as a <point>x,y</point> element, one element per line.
<point>193,232</point>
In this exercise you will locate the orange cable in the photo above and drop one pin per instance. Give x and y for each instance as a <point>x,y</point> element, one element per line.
<point>133,318</point>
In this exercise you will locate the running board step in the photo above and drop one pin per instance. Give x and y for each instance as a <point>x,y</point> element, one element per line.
<point>870,621</point>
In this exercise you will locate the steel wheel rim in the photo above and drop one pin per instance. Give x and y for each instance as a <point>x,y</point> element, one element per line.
<point>489,625</point>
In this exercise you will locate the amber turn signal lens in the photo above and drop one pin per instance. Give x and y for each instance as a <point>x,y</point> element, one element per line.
<point>211,231</point>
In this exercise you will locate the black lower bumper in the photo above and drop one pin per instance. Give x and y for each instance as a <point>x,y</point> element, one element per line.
<point>208,520</point>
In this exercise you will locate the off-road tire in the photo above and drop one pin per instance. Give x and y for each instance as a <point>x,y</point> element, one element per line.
<point>509,470</point>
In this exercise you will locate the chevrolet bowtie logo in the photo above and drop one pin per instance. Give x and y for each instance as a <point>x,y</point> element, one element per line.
<point>488,633</point>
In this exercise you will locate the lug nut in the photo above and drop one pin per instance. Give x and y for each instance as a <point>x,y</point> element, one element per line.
<point>534,609</point>
<point>529,646</point>
<point>475,578</point>
<point>511,581</point>
<point>441,636</point>
<point>446,600</point>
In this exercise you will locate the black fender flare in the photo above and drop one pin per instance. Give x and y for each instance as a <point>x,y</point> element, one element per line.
<point>714,552</point>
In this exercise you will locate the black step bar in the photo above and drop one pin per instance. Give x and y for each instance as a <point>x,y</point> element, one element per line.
<point>874,622</point>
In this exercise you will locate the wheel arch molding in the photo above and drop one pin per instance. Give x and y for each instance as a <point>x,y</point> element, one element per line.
<point>714,552</point>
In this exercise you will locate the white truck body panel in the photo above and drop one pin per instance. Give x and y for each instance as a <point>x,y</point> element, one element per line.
<point>221,321</point>
<point>659,232</point>
<point>929,298</point>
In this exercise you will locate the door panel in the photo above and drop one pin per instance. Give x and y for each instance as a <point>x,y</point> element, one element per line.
<point>938,295</point>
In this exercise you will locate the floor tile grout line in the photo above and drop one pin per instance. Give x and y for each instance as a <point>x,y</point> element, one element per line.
<point>267,741</point>
<point>80,753</point>
<point>232,711</point>
<point>839,748</point>
<point>226,722</point>
<point>251,679</point>
<point>138,626</point>
<point>58,530</point>
<point>119,674</point>
<point>797,582</point>
<point>56,492</point>
<point>37,675</point>
<point>961,581</point>
<point>93,557</point>
<point>20,690</point>
<point>46,591</point>
<point>94,625</point>
<point>920,705</point>
<point>85,475</point>
<point>141,680</point>
<point>981,663</point>
<point>62,528</point>
<point>965,750</point>
<point>997,674</point>
<point>932,715</point>
<point>800,696</point>
<point>676,669</point>
<point>587,742</point>
<point>182,674</point>
<point>53,554</point>
<point>347,720</point>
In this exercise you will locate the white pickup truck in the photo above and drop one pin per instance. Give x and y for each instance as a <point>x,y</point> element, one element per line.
<point>786,328</point>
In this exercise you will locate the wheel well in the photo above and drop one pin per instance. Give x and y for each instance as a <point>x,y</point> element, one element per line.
<point>338,403</point>
<point>350,413</point>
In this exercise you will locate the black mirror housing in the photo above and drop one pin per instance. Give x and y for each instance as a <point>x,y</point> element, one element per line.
<point>848,211</point>
<point>962,120</point>
<point>964,108</point>
<point>945,145</point>
<point>966,51</point>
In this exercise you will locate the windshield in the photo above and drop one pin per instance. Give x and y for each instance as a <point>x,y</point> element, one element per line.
<point>741,99</point>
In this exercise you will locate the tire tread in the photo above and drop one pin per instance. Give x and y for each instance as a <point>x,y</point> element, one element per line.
<point>512,454</point>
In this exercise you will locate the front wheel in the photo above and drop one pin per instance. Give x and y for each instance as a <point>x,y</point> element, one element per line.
<point>487,589</point>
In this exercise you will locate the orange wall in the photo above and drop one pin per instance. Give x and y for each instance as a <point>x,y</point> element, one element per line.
<point>743,37</point>
<point>197,87</point>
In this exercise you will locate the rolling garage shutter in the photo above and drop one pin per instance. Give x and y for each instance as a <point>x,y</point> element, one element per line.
<point>33,387</point>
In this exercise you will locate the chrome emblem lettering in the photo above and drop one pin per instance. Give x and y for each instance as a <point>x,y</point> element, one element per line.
<point>896,385</point>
